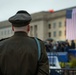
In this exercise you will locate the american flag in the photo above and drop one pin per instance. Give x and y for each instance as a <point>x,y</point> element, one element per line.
<point>71,24</point>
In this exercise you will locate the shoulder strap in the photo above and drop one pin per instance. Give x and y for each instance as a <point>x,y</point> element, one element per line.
<point>39,48</point>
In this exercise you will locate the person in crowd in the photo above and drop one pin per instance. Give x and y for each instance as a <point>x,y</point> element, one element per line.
<point>67,43</point>
<point>55,47</point>
<point>19,53</point>
<point>62,47</point>
<point>58,46</point>
<point>72,44</point>
<point>66,48</point>
<point>51,44</point>
<point>48,49</point>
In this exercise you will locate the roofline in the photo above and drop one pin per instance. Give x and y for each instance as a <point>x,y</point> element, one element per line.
<point>66,8</point>
<point>48,11</point>
<point>54,11</point>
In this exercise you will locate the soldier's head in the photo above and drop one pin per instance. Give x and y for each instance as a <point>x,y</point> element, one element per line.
<point>20,20</point>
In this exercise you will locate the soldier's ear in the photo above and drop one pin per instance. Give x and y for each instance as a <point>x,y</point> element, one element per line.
<point>12,28</point>
<point>28,28</point>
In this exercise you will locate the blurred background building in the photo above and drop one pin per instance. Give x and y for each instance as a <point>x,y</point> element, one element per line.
<point>44,25</point>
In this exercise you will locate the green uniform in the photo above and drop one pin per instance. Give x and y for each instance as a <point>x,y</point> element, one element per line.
<point>19,56</point>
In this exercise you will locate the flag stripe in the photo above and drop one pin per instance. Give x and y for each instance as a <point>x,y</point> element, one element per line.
<point>71,25</point>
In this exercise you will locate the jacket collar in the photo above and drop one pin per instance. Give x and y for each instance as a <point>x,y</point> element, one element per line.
<point>20,33</point>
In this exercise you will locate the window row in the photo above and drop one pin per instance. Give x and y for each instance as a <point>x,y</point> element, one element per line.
<point>55,33</point>
<point>33,29</point>
<point>6,32</point>
<point>55,25</point>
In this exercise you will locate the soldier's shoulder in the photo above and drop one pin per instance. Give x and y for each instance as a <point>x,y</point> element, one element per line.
<point>37,38</point>
<point>2,41</point>
<point>41,41</point>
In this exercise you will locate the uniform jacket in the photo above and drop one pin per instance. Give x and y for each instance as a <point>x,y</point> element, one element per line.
<point>19,56</point>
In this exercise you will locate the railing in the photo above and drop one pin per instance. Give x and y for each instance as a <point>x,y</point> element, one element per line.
<point>63,71</point>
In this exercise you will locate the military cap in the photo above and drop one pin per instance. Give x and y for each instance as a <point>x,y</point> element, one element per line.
<point>21,18</point>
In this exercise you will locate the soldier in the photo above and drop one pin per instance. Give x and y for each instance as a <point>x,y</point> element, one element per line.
<point>19,53</point>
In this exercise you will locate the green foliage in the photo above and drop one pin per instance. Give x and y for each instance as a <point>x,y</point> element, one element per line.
<point>62,64</point>
<point>70,64</point>
<point>73,63</point>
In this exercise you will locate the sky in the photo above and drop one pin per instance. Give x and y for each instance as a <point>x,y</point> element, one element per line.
<point>10,7</point>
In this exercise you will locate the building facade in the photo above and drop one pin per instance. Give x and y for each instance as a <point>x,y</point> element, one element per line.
<point>5,30</point>
<point>48,25</point>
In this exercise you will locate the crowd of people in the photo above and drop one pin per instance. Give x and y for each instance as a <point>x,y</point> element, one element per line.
<point>59,46</point>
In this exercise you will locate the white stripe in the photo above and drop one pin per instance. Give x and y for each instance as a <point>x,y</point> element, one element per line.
<point>71,26</point>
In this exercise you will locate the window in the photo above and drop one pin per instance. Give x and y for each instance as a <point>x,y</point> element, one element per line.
<point>35,30</point>
<point>60,24</point>
<point>54,34</point>
<point>11,31</point>
<point>1,32</point>
<point>49,26</point>
<point>54,25</point>
<point>65,32</point>
<point>49,34</point>
<point>4,32</point>
<point>31,30</point>
<point>60,33</point>
<point>65,23</point>
<point>8,31</point>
